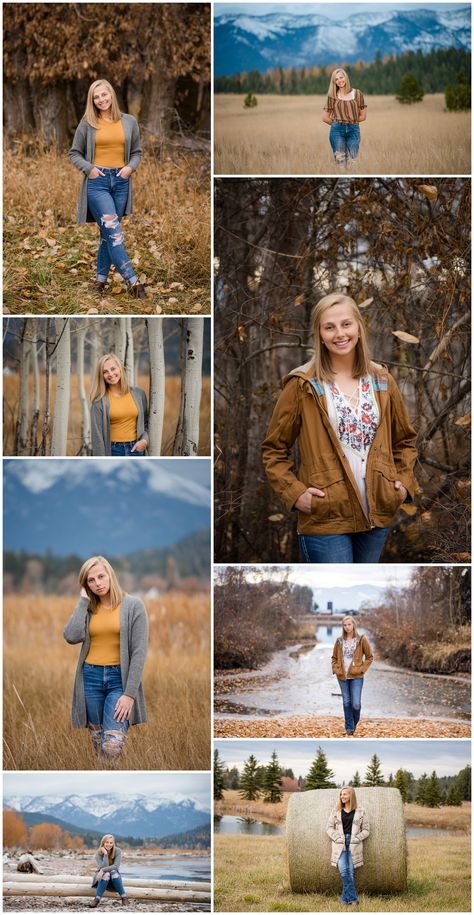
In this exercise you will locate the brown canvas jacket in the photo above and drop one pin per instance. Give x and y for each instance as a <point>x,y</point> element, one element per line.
<point>360,831</point>
<point>361,661</point>
<point>301,413</point>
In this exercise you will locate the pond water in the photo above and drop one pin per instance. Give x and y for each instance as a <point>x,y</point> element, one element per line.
<point>236,826</point>
<point>298,681</point>
<point>170,867</point>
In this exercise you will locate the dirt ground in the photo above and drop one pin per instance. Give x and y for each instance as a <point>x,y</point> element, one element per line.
<point>302,726</point>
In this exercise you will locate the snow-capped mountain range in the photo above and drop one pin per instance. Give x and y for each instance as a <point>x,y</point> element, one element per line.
<point>141,816</point>
<point>244,42</point>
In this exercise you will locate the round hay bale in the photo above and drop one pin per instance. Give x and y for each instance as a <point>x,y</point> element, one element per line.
<point>309,847</point>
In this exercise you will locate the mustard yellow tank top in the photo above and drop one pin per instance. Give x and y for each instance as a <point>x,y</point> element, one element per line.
<point>110,144</point>
<point>123,418</point>
<point>104,631</point>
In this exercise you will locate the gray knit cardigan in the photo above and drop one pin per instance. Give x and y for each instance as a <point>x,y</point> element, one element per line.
<point>100,422</point>
<point>103,864</point>
<point>81,155</point>
<point>133,649</point>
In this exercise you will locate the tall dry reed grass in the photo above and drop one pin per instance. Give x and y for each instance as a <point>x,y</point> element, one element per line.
<point>39,669</point>
<point>285,135</point>
<point>49,260</point>
<point>11,392</point>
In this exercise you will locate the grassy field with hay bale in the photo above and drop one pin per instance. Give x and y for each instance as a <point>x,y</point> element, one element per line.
<point>251,875</point>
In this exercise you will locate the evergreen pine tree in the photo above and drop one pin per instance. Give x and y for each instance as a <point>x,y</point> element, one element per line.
<point>320,775</point>
<point>373,776</point>
<point>464,782</point>
<point>356,782</point>
<point>402,782</point>
<point>434,794</point>
<point>250,780</point>
<point>272,792</point>
<point>218,776</point>
<point>458,96</point>
<point>421,791</point>
<point>410,90</point>
<point>454,796</point>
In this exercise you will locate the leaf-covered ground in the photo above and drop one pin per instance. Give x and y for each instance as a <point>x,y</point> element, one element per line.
<point>49,260</point>
<point>329,726</point>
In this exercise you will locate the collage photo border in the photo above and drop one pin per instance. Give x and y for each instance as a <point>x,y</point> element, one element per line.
<point>177,485</point>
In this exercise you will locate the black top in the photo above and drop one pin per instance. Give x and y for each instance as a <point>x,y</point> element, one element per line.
<point>347,819</point>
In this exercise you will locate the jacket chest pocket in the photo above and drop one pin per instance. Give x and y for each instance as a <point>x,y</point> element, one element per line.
<point>386,497</point>
<point>336,502</point>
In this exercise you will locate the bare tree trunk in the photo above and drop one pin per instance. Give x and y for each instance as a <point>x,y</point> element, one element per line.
<point>157,384</point>
<point>120,337</point>
<point>96,349</point>
<point>63,375</point>
<point>36,387</point>
<point>21,433</point>
<point>47,376</point>
<point>86,442</point>
<point>128,359</point>
<point>186,440</point>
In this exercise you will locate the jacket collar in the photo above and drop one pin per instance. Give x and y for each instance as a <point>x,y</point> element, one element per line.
<point>305,373</point>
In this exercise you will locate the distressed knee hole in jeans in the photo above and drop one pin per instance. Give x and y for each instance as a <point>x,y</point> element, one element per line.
<point>96,737</point>
<point>112,743</point>
<point>110,222</point>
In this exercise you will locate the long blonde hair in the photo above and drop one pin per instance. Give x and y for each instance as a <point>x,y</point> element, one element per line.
<point>115,592</point>
<point>333,90</point>
<point>91,114</point>
<point>352,800</point>
<point>344,633</point>
<point>321,363</point>
<point>99,385</point>
<point>111,853</point>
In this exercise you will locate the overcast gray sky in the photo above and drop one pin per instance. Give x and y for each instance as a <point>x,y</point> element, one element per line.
<point>346,756</point>
<point>332,10</point>
<point>194,785</point>
<point>347,576</point>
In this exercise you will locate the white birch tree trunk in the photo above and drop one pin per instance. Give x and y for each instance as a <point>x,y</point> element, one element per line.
<point>36,387</point>
<point>186,440</point>
<point>97,348</point>
<point>63,376</point>
<point>129,352</point>
<point>86,442</point>
<point>120,337</point>
<point>47,378</point>
<point>157,385</point>
<point>21,437</point>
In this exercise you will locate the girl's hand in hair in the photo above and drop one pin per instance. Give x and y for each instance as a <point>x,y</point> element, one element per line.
<point>123,708</point>
<point>401,489</point>
<point>303,502</point>
<point>84,593</point>
<point>124,172</point>
<point>95,172</point>
<point>140,446</point>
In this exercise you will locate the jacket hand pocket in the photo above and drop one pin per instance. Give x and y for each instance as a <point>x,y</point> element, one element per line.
<point>387,498</point>
<point>336,502</point>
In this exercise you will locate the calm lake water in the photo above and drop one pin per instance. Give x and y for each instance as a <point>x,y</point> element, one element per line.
<point>301,682</point>
<point>170,867</point>
<point>237,826</point>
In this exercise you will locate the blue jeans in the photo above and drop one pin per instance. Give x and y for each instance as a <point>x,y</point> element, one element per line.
<point>124,449</point>
<point>345,141</point>
<point>102,689</point>
<point>351,691</point>
<point>365,546</point>
<point>113,883</point>
<point>107,198</point>
<point>346,869</point>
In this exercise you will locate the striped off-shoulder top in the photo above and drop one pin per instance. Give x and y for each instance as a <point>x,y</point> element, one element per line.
<point>346,110</point>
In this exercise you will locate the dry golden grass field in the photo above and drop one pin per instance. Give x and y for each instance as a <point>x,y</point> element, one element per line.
<point>49,260</point>
<point>251,875</point>
<point>285,135</point>
<point>39,669</point>
<point>11,386</point>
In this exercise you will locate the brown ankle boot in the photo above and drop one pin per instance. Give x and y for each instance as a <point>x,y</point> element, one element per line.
<point>99,286</point>
<point>95,902</point>
<point>138,291</point>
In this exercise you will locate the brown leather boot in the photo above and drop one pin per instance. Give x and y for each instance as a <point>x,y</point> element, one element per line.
<point>138,291</point>
<point>95,902</point>
<point>99,286</point>
<point>124,900</point>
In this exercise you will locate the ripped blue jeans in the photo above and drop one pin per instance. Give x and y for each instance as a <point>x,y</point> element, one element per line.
<point>102,689</point>
<point>110,881</point>
<point>107,197</point>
